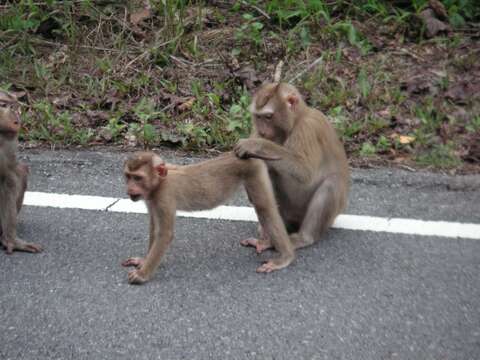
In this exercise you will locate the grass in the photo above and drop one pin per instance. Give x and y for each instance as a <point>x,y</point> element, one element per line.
<point>182,73</point>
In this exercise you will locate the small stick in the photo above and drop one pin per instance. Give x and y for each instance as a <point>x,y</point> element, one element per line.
<point>313,64</point>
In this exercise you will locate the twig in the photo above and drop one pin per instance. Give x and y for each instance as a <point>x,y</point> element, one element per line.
<point>404,51</point>
<point>312,65</point>
<point>182,61</point>
<point>257,8</point>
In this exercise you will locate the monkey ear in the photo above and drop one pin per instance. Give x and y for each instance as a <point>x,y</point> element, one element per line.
<point>159,165</point>
<point>161,170</point>
<point>292,101</point>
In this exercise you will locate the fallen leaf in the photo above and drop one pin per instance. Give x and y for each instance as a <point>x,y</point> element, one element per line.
<point>140,15</point>
<point>405,139</point>
<point>187,105</point>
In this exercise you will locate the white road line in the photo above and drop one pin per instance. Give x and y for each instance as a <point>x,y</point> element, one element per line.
<point>244,213</point>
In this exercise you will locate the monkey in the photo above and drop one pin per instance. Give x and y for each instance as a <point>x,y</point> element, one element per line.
<point>13,184</point>
<point>306,161</point>
<point>205,185</point>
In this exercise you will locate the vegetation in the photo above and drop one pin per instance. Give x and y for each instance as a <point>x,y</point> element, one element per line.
<point>398,79</point>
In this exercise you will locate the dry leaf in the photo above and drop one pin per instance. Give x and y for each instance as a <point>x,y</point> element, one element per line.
<point>187,105</point>
<point>139,16</point>
<point>405,139</point>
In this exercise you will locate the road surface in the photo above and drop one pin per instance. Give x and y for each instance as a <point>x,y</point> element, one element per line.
<point>355,295</point>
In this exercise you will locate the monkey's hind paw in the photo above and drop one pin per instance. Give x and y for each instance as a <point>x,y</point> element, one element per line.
<point>133,261</point>
<point>274,264</point>
<point>259,245</point>
<point>20,245</point>
<point>135,277</point>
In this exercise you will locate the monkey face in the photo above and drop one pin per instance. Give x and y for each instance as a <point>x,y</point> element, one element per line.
<point>136,186</point>
<point>9,122</point>
<point>265,126</point>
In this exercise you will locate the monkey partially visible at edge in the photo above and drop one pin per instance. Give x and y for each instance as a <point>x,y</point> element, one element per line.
<point>13,183</point>
<point>306,161</point>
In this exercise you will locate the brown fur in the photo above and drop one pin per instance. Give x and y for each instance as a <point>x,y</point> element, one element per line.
<point>198,187</point>
<point>13,183</point>
<point>306,162</point>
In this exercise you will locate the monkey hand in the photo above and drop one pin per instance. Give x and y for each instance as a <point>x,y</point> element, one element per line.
<point>137,277</point>
<point>247,148</point>
<point>252,148</point>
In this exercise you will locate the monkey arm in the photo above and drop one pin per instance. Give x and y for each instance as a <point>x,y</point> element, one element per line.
<point>278,157</point>
<point>8,213</point>
<point>163,220</point>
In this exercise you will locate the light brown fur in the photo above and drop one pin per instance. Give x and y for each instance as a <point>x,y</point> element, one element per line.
<point>306,162</point>
<point>167,188</point>
<point>13,183</point>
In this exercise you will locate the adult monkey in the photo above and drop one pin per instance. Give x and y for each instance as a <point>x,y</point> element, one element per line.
<point>306,162</point>
<point>13,179</point>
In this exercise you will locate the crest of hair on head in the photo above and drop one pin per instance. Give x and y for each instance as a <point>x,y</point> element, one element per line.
<point>265,94</point>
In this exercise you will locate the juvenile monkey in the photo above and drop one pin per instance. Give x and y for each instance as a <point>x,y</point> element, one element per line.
<point>201,186</point>
<point>13,183</point>
<point>305,159</point>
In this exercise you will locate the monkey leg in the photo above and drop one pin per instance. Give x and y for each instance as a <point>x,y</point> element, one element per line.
<point>22,174</point>
<point>260,193</point>
<point>324,206</point>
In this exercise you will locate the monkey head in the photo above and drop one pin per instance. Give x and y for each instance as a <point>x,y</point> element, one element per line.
<point>9,122</point>
<point>275,108</point>
<point>144,172</point>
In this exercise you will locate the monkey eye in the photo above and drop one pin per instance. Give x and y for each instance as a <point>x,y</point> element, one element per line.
<point>136,178</point>
<point>268,116</point>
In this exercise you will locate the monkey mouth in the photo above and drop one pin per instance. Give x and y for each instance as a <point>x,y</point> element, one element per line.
<point>135,197</point>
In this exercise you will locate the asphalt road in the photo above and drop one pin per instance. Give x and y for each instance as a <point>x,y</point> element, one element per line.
<point>355,295</point>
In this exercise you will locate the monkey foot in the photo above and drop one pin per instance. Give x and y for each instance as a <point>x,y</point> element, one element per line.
<point>133,261</point>
<point>20,245</point>
<point>136,277</point>
<point>259,245</point>
<point>274,264</point>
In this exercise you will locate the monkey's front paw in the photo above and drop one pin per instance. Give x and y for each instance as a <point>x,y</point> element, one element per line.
<point>243,149</point>
<point>133,261</point>
<point>137,277</point>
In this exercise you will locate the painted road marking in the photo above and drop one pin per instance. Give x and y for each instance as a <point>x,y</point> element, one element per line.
<point>244,213</point>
